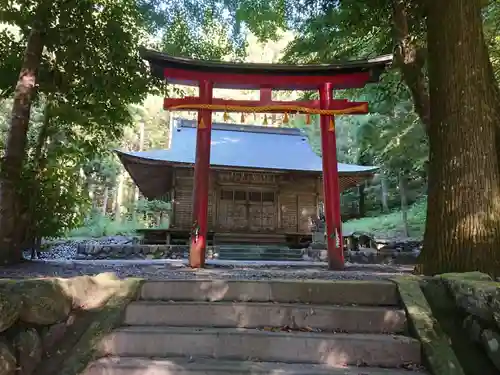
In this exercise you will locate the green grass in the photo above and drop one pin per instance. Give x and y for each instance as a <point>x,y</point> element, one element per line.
<point>100,226</point>
<point>391,225</point>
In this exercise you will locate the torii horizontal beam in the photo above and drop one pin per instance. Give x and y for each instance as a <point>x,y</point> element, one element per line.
<point>190,103</point>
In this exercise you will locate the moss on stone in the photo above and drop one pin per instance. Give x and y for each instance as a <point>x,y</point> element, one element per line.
<point>471,356</point>
<point>44,301</point>
<point>438,354</point>
<point>104,321</point>
<point>472,276</point>
<point>10,306</point>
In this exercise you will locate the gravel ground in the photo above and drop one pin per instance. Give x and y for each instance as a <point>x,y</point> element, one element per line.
<point>66,251</point>
<point>179,271</point>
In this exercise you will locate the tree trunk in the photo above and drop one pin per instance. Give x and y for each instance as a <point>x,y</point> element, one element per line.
<point>119,196</point>
<point>385,193</point>
<point>105,199</point>
<point>31,223</point>
<point>141,146</point>
<point>404,203</point>
<point>463,221</point>
<point>361,200</point>
<point>11,236</point>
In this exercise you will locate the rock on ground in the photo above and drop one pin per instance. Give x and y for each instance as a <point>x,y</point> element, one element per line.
<point>29,350</point>
<point>7,360</point>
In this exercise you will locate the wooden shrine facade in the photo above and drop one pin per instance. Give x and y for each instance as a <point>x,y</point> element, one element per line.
<point>274,190</point>
<point>325,79</point>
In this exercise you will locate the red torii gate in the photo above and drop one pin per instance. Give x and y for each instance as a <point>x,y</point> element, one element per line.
<point>208,75</point>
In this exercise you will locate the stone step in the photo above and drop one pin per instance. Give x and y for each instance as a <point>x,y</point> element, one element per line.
<point>369,293</point>
<point>253,256</point>
<point>257,249</point>
<point>251,246</point>
<point>258,315</point>
<point>376,350</point>
<point>183,366</point>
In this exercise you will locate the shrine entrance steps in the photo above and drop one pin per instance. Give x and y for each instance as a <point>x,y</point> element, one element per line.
<point>258,252</point>
<point>261,328</point>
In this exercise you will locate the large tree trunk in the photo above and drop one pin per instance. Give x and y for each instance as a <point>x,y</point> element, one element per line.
<point>463,220</point>
<point>11,234</point>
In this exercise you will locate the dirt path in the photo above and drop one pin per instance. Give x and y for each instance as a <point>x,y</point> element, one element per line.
<point>180,271</point>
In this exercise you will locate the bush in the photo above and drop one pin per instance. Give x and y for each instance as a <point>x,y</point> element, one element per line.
<point>392,224</point>
<point>100,226</point>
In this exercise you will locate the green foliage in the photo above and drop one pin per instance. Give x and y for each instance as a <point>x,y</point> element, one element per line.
<point>145,206</point>
<point>91,92</point>
<point>99,225</point>
<point>391,224</point>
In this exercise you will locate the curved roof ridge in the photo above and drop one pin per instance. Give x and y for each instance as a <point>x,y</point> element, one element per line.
<point>185,123</point>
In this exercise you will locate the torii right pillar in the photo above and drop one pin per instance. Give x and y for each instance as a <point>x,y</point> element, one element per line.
<point>331,191</point>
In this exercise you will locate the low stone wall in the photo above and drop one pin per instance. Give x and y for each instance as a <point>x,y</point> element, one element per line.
<point>37,316</point>
<point>478,296</point>
<point>131,251</point>
<point>138,251</point>
<point>367,257</point>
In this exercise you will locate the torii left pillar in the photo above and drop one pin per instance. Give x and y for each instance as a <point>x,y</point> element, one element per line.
<point>331,191</point>
<point>201,179</point>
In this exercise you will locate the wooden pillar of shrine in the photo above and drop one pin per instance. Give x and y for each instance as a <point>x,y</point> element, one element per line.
<point>201,179</point>
<point>331,192</point>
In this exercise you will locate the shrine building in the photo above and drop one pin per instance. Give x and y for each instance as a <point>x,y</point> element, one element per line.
<point>265,183</point>
<point>256,181</point>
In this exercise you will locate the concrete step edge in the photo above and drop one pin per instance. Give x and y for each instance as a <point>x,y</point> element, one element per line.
<point>254,315</point>
<point>219,331</point>
<point>265,303</point>
<point>345,292</point>
<point>184,366</point>
<point>389,351</point>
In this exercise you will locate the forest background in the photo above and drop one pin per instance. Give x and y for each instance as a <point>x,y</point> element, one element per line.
<point>94,94</point>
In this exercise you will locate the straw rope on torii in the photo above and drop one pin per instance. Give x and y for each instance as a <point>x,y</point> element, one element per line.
<point>269,108</point>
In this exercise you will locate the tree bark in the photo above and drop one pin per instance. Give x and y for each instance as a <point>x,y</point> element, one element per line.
<point>11,236</point>
<point>385,193</point>
<point>105,199</point>
<point>463,220</point>
<point>119,196</point>
<point>404,203</point>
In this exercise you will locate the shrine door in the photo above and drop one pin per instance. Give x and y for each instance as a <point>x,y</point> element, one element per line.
<point>247,211</point>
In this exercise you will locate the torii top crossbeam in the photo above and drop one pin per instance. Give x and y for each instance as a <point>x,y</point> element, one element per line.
<point>351,74</point>
<point>208,75</point>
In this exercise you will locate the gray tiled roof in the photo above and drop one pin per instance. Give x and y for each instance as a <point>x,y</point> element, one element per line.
<point>246,146</point>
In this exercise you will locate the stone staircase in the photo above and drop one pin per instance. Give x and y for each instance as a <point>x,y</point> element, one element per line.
<point>258,252</point>
<point>261,328</point>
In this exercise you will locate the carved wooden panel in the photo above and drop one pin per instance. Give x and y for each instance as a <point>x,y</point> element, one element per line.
<point>288,207</point>
<point>253,178</point>
<point>232,216</point>
<point>306,209</point>
<point>269,218</point>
